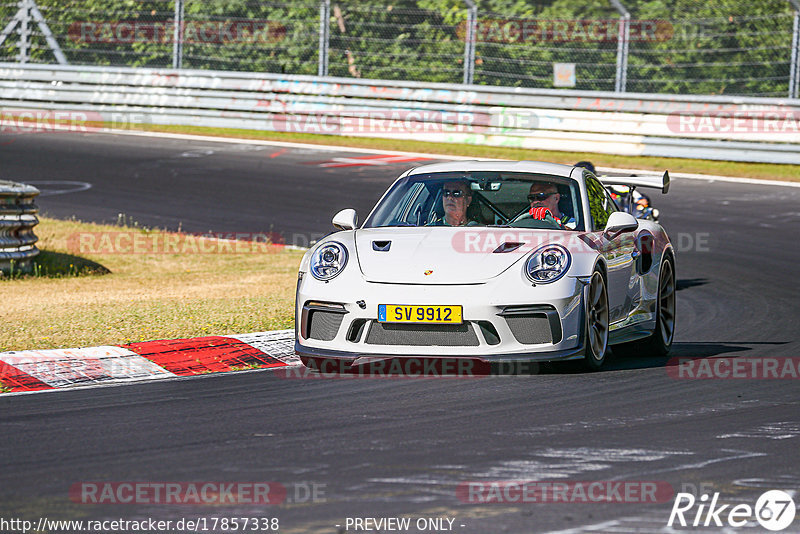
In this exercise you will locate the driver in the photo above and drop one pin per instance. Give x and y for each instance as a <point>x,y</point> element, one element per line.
<point>544,198</point>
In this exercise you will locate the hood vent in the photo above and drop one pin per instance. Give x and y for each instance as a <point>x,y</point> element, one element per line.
<point>508,246</point>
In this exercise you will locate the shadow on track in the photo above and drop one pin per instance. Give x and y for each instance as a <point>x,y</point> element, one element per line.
<point>410,367</point>
<point>686,283</point>
<point>627,361</point>
<point>683,350</point>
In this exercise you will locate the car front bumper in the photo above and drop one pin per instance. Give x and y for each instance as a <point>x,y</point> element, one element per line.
<point>501,323</point>
<point>353,358</point>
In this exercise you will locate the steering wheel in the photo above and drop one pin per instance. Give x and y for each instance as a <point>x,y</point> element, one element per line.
<point>525,214</point>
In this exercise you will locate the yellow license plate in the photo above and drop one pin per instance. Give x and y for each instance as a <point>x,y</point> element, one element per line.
<point>400,313</point>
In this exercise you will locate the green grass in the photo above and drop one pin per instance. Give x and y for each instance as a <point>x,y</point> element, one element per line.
<point>88,298</point>
<point>764,171</point>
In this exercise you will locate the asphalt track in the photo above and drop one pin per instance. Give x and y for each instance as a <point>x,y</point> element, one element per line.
<point>400,447</point>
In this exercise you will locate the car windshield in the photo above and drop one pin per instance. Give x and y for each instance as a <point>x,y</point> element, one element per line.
<point>481,199</point>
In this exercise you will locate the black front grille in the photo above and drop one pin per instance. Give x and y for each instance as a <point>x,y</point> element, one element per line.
<point>323,325</point>
<point>530,329</point>
<point>434,335</point>
<point>533,324</point>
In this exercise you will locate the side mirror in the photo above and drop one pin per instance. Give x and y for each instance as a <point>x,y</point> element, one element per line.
<point>620,222</point>
<point>345,219</point>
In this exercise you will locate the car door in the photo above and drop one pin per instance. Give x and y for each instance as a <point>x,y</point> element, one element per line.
<point>618,251</point>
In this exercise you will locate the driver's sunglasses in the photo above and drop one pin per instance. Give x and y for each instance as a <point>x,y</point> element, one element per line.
<point>455,193</point>
<point>538,197</point>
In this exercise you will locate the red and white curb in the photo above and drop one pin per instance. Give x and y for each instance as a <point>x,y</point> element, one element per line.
<point>35,370</point>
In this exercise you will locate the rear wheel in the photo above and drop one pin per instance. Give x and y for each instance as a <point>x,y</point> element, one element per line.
<point>596,324</point>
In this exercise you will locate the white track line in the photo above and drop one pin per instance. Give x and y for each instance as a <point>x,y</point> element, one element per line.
<point>330,148</point>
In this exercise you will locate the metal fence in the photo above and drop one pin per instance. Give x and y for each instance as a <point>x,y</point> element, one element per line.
<point>50,99</point>
<point>670,46</point>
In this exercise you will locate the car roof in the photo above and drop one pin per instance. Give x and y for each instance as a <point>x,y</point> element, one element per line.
<point>542,167</point>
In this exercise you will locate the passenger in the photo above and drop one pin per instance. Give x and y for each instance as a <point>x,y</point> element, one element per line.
<point>456,198</point>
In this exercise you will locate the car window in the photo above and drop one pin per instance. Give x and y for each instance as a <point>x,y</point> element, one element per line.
<point>415,207</point>
<point>601,206</point>
<point>493,199</point>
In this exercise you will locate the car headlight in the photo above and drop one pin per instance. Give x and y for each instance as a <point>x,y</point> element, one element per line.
<point>547,264</point>
<point>328,260</point>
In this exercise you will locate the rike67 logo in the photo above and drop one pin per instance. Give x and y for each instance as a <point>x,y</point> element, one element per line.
<point>774,510</point>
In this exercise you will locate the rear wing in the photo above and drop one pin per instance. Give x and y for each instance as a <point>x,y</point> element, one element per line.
<point>639,181</point>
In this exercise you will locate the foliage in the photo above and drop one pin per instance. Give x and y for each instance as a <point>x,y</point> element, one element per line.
<point>722,47</point>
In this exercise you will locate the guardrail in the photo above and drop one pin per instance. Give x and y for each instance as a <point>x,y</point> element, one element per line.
<point>17,219</point>
<point>703,127</point>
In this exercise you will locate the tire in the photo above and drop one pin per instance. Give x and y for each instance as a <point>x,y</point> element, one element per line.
<point>659,342</point>
<point>595,323</point>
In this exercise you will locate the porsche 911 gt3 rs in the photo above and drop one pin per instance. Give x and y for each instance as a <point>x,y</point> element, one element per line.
<point>499,261</point>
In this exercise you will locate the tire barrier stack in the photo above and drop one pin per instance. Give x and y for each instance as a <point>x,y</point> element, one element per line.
<point>17,219</point>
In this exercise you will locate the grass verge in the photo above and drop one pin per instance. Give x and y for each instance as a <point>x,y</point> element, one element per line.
<point>114,298</point>
<point>764,171</point>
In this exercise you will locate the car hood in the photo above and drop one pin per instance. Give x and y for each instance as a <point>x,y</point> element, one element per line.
<point>439,255</point>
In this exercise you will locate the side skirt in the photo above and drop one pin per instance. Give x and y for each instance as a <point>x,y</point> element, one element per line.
<point>631,332</point>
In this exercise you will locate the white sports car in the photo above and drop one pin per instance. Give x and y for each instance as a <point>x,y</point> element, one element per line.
<point>499,261</point>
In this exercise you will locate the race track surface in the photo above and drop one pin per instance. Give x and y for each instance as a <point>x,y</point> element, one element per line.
<point>401,447</point>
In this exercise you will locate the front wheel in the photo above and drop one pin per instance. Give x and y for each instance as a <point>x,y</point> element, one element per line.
<point>596,323</point>
<point>661,341</point>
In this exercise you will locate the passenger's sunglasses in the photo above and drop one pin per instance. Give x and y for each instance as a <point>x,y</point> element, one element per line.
<point>455,193</point>
<point>538,197</point>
